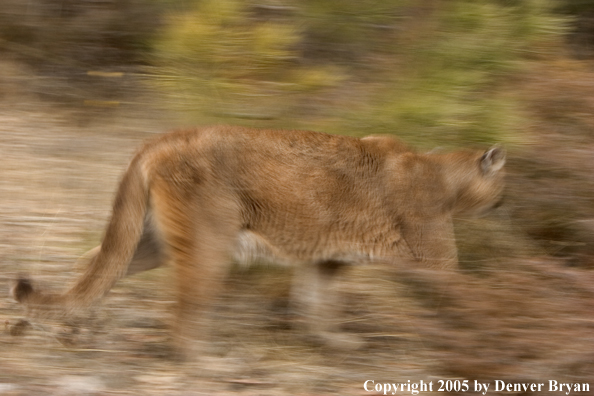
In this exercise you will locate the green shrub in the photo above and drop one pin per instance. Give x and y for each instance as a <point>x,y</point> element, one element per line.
<point>220,62</point>
<point>451,83</point>
<point>431,72</point>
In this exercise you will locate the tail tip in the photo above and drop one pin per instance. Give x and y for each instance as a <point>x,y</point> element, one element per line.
<point>22,289</point>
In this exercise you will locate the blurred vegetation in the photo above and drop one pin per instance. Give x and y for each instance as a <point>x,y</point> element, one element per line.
<point>70,33</point>
<point>431,72</point>
<point>56,46</point>
<point>582,27</point>
<point>222,60</point>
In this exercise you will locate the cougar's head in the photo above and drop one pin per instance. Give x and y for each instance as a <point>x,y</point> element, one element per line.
<point>480,187</point>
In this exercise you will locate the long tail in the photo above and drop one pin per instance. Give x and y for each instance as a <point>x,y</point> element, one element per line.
<point>111,261</point>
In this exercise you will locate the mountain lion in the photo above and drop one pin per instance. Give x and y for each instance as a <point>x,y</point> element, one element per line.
<point>203,198</point>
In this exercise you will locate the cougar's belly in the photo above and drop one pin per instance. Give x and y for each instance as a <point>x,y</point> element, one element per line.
<point>252,247</point>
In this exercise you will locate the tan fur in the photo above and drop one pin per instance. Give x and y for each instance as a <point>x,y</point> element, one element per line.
<point>203,197</point>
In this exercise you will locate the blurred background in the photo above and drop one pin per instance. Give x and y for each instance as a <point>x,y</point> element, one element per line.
<point>84,82</point>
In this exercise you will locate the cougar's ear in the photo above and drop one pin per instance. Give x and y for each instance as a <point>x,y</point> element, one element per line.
<point>493,160</point>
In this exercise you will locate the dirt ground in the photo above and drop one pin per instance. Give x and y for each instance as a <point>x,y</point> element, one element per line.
<point>526,319</point>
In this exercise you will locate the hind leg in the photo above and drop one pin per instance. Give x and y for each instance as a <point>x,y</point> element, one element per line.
<point>199,278</point>
<point>198,239</point>
<point>149,252</point>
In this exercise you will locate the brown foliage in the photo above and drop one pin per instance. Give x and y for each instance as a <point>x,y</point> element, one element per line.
<point>527,320</point>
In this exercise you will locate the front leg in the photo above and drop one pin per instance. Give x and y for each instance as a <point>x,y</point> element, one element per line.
<point>431,241</point>
<point>315,296</point>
